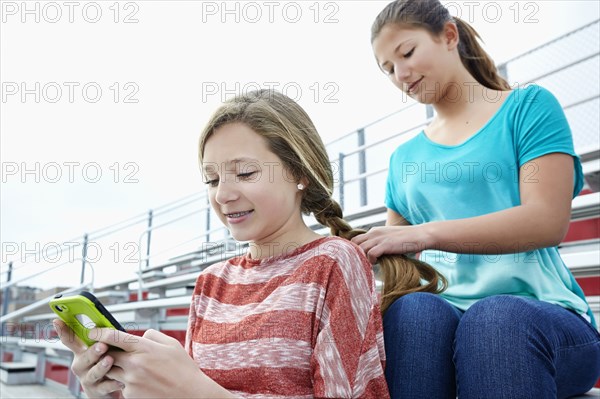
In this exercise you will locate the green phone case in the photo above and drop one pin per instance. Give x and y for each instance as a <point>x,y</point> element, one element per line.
<point>83,312</point>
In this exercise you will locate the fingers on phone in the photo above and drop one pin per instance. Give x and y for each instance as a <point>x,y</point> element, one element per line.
<point>98,377</point>
<point>109,386</point>
<point>98,372</point>
<point>68,338</point>
<point>87,360</point>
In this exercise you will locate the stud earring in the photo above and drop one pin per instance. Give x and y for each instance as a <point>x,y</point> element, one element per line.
<point>300,186</point>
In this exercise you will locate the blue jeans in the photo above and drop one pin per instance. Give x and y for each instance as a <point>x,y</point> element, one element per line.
<point>501,347</point>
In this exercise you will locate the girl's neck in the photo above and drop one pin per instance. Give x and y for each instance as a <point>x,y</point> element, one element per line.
<point>460,117</point>
<point>461,96</point>
<point>282,244</point>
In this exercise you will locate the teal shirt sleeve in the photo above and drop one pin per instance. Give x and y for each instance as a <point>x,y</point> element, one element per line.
<point>542,128</point>
<point>394,189</point>
<point>389,187</point>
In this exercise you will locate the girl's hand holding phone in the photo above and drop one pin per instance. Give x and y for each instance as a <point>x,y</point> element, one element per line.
<point>154,366</point>
<point>110,363</point>
<point>90,364</point>
<point>78,314</point>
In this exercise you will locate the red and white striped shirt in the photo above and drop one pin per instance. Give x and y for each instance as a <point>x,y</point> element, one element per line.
<point>306,324</point>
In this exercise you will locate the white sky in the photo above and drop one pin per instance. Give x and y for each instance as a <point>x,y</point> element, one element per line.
<point>167,61</point>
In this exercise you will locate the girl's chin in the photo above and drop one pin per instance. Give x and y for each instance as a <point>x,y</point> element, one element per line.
<point>242,236</point>
<point>238,236</point>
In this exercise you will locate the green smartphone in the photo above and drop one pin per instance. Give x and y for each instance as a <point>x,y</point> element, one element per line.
<point>83,312</point>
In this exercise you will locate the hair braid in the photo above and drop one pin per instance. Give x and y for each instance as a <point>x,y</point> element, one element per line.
<point>401,274</point>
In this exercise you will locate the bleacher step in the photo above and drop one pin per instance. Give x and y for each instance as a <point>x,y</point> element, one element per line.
<point>17,373</point>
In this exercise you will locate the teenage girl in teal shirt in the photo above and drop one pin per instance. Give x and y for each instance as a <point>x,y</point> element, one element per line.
<point>485,192</point>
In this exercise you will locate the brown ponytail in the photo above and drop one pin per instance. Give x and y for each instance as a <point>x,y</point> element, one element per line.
<point>476,60</point>
<point>291,135</point>
<point>433,16</point>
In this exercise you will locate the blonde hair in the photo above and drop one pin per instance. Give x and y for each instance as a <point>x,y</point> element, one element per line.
<point>291,135</point>
<point>433,16</point>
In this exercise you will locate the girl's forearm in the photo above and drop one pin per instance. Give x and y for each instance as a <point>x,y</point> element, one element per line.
<point>519,229</point>
<point>211,389</point>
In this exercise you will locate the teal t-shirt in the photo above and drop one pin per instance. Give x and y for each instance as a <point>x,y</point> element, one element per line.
<point>432,182</point>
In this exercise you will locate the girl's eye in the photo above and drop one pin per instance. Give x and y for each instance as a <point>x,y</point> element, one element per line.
<point>245,176</point>
<point>240,176</point>
<point>407,55</point>
<point>212,183</point>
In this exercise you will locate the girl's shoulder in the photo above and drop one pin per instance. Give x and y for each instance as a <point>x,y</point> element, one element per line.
<point>411,146</point>
<point>531,94</point>
<point>221,267</point>
<point>336,243</point>
<point>342,251</point>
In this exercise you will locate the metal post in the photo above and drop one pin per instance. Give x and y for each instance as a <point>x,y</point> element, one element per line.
<point>83,257</point>
<point>148,240</point>
<point>73,384</point>
<point>207,219</point>
<point>429,111</point>
<point>362,167</point>
<point>341,166</point>
<point>6,296</point>
<point>503,71</point>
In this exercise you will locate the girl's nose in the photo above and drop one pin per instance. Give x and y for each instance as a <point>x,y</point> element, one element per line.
<point>226,191</point>
<point>401,74</point>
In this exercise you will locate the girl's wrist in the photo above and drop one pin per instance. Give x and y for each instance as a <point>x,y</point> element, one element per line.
<point>429,237</point>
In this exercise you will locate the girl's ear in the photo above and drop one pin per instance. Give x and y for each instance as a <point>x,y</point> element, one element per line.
<point>304,182</point>
<point>450,35</point>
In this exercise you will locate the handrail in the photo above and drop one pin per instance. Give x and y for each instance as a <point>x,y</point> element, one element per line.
<point>47,254</point>
<point>216,229</point>
<point>37,304</point>
<point>375,143</point>
<point>140,271</point>
<point>158,208</point>
<point>365,175</point>
<point>15,282</point>
<point>569,65</point>
<point>89,285</point>
<point>546,44</point>
<point>40,303</point>
<point>160,213</point>
<point>372,123</point>
<point>585,100</point>
<point>131,220</point>
<point>156,214</point>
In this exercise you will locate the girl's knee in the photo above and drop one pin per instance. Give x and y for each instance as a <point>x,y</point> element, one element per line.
<point>498,316</point>
<point>500,308</point>
<point>420,308</point>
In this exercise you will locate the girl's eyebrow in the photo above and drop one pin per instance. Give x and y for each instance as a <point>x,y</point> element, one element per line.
<point>215,170</point>
<point>242,159</point>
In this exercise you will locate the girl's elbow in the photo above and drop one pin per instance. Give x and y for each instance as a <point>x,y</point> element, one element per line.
<point>556,234</point>
<point>549,224</point>
<point>552,243</point>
